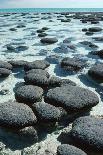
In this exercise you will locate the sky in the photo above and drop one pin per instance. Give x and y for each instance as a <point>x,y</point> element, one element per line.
<point>51,3</point>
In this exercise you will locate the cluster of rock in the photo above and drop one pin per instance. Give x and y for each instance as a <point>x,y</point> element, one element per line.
<point>44,102</point>
<point>86,134</point>
<point>62,100</point>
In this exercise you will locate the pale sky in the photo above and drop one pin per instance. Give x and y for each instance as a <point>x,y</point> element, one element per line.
<point>51,3</point>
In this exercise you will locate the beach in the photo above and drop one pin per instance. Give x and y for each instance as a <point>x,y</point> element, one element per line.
<point>77,36</point>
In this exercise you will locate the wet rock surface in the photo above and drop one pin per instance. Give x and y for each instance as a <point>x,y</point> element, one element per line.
<point>16,115</point>
<point>37,77</point>
<point>4,72</point>
<point>29,94</point>
<point>88,132</point>
<point>96,72</point>
<point>46,112</point>
<point>66,149</point>
<point>49,40</point>
<point>72,64</point>
<point>38,64</point>
<point>5,65</point>
<point>72,98</point>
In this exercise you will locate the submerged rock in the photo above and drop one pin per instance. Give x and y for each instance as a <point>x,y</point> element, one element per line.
<point>38,64</point>
<point>57,82</point>
<point>16,115</point>
<point>72,64</point>
<point>89,44</point>
<point>49,40</point>
<point>99,53</point>
<point>29,94</point>
<point>18,64</point>
<point>4,72</point>
<point>72,98</point>
<point>5,65</point>
<point>21,48</point>
<point>98,38</point>
<point>95,29</point>
<point>66,149</point>
<point>96,72</point>
<point>88,131</point>
<point>42,35</point>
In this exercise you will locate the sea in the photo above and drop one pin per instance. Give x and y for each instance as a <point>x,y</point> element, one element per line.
<point>45,10</point>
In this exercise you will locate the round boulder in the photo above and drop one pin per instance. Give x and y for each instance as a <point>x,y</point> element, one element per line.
<point>57,82</point>
<point>72,98</point>
<point>95,29</point>
<point>72,64</point>
<point>49,40</point>
<point>42,35</point>
<point>6,65</point>
<point>96,72</point>
<point>18,64</point>
<point>4,72</point>
<point>66,149</point>
<point>16,115</point>
<point>88,132</point>
<point>37,77</point>
<point>29,94</point>
<point>38,64</point>
<point>46,112</point>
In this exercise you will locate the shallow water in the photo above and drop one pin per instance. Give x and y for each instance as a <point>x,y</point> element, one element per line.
<point>57,29</point>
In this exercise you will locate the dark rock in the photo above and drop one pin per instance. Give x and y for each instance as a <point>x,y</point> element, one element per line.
<point>4,92</point>
<point>72,64</point>
<point>38,64</point>
<point>42,35</point>
<point>10,48</point>
<point>16,115</point>
<point>89,44</point>
<point>4,72</point>
<point>95,29</point>
<point>27,134</point>
<point>18,64</point>
<point>45,28</point>
<point>99,53</point>
<point>5,65</point>
<point>89,33</point>
<point>62,49</point>
<point>53,59</point>
<point>84,21</point>
<point>84,30</point>
<point>21,48</point>
<point>46,112</point>
<point>96,72</point>
<point>49,40</point>
<point>88,132</point>
<point>29,94</point>
<point>94,22</point>
<point>98,38</point>
<point>72,98</point>
<point>58,82</point>
<point>65,20</point>
<point>12,29</point>
<point>40,31</point>
<point>37,77</point>
<point>66,149</point>
<point>67,40</point>
<point>21,26</point>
